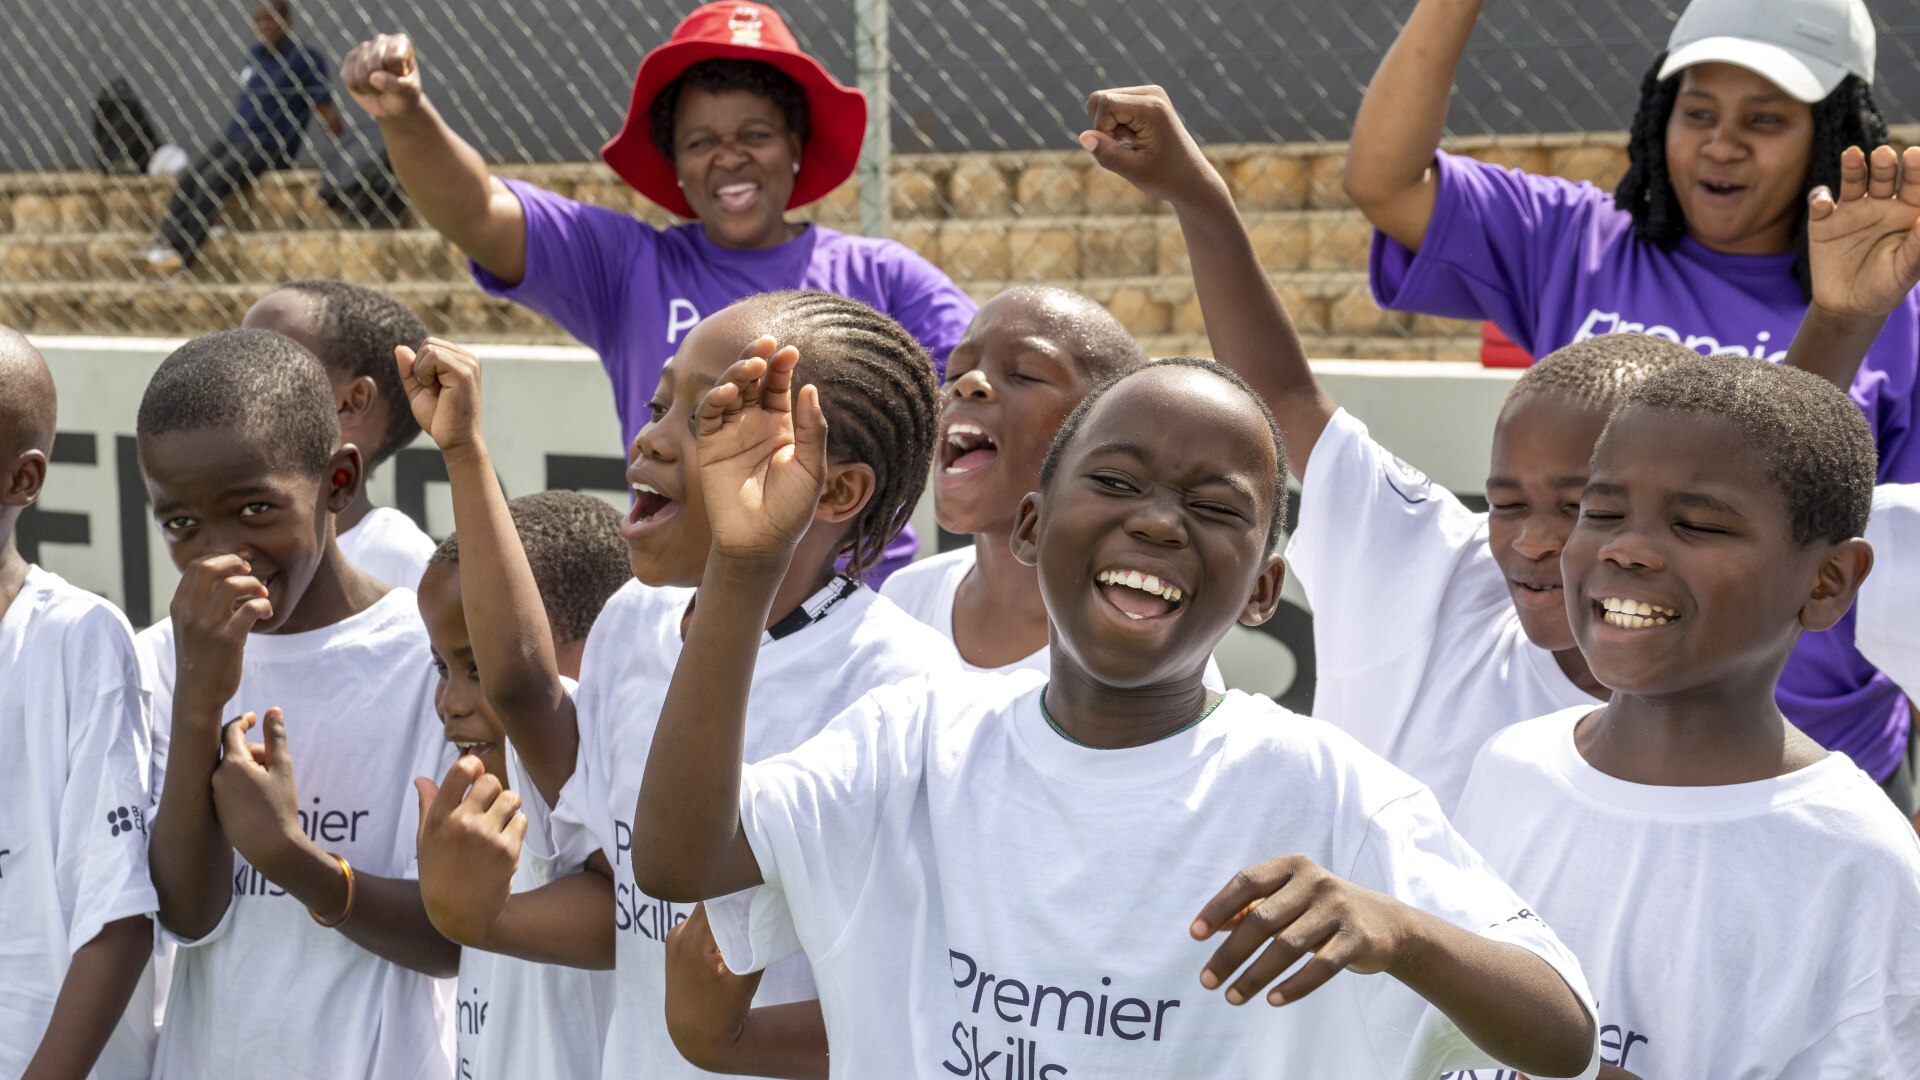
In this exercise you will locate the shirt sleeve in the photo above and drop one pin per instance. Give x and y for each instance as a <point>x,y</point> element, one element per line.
<point>1491,243</point>
<point>579,261</point>
<point>927,302</point>
<point>1885,630</point>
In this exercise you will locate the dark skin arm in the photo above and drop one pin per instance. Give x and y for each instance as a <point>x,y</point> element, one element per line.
<point>94,994</point>
<point>1137,135</point>
<point>329,116</point>
<point>711,1017</point>
<point>1863,249</point>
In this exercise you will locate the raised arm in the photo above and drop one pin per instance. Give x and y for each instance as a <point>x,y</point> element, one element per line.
<point>1863,250</point>
<point>512,640</point>
<point>444,176</point>
<point>763,458</point>
<point>1137,135</point>
<point>1389,173</point>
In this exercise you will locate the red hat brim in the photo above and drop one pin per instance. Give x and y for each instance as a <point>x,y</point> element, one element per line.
<point>837,123</point>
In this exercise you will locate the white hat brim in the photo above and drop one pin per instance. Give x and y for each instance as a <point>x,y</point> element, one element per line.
<point>1806,79</point>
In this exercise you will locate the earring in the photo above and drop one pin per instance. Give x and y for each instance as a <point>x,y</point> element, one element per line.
<point>796,168</point>
<point>680,184</point>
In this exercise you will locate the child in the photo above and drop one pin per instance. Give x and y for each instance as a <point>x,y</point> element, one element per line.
<point>1433,626</point>
<point>515,1018</point>
<point>291,905</point>
<point>826,641</point>
<point>1691,844</point>
<point>74,895</point>
<point>353,330</point>
<point>963,831</point>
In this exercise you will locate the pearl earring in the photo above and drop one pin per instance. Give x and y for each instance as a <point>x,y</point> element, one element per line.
<point>796,168</point>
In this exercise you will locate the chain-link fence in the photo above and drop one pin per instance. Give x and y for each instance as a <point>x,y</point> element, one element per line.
<point>981,105</point>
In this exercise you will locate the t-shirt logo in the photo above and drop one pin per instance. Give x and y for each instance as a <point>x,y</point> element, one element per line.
<point>1406,481</point>
<point>744,24</point>
<point>126,819</point>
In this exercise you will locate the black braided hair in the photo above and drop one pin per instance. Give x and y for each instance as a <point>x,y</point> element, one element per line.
<point>878,391</point>
<point>573,545</point>
<point>357,328</point>
<point>1846,117</point>
<point>718,77</point>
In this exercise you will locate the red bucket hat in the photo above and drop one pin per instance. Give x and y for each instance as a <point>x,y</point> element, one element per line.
<point>740,31</point>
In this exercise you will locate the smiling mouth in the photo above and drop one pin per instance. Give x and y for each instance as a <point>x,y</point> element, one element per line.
<point>1634,614</point>
<point>1139,595</point>
<point>734,198</point>
<point>966,448</point>
<point>650,509</point>
<point>1721,188</point>
<point>470,746</point>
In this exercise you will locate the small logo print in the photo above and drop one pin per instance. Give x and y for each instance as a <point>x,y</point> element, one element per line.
<point>745,25</point>
<point>126,819</point>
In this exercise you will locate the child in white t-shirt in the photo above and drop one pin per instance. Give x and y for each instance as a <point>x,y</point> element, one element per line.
<point>75,931</point>
<point>1693,847</point>
<point>1433,625</point>
<point>293,902</point>
<point>353,330</point>
<point>1886,630</point>
<point>997,877</point>
<point>825,641</point>
<point>517,1017</point>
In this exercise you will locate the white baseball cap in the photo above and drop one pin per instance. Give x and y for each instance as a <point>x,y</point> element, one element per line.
<point>1805,47</point>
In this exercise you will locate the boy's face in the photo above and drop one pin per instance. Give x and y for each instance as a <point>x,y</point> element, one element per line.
<point>1681,517</point>
<point>1011,381</point>
<point>465,715</point>
<point>1541,447</point>
<point>268,25</point>
<point>217,493</point>
<point>363,415</point>
<point>1172,475</point>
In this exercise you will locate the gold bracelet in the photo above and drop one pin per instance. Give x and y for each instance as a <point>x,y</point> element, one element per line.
<point>346,869</point>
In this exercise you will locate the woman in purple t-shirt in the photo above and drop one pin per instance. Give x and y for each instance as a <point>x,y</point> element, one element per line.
<point>731,125</point>
<point>1703,242</point>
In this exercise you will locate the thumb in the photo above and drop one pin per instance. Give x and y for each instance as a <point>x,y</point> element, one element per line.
<point>1106,150</point>
<point>428,791</point>
<point>404,358</point>
<point>810,431</point>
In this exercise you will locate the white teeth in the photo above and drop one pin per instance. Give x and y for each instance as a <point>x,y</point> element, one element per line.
<point>1152,585</point>
<point>963,429</point>
<point>1147,583</point>
<point>1628,621</point>
<point>734,189</point>
<point>644,489</point>
<point>1131,615</point>
<point>1640,608</point>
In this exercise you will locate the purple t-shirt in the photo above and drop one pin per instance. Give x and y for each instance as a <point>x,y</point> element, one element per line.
<point>630,292</point>
<point>1552,262</point>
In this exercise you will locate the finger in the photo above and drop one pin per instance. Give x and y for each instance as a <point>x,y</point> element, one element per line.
<point>244,616</point>
<point>233,738</point>
<point>486,788</point>
<point>404,358</point>
<point>1819,204</point>
<point>426,368</point>
<point>1330,958</point>
<point>429,794</point>
<point>1910,176</point>
<point>453,788</point>
<point>209,573</point>
<point>810,432</point>
<point>1248,887</point>
<point>502,812</point>
<point>1853,174</point>
<point>715,406</point>
<point>776,387</point>
<point>276,740</point>
<point>1283,950</point>
<point>1269,917</point>
<point>516,832</point>
<point>1883,171</point>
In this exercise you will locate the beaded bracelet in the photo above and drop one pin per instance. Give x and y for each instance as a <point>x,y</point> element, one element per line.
<point>346,869</point>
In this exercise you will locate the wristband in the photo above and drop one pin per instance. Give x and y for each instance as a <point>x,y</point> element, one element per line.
<point>346,869</point>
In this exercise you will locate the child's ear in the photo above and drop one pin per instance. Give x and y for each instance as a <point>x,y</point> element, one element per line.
<point>848,489</point>
<point>1026,530</point>
<point>1264,600</point>
<point>25,475</point>
<point>1836,582</point>
<point>345,474</point>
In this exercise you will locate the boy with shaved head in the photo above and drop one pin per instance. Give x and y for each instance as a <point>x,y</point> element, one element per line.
<point>74,895</point>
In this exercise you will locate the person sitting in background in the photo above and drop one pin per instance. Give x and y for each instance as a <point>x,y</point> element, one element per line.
<point>283,86</point>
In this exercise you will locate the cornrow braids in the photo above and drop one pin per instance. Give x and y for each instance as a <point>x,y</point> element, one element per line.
<point>881,400</point>
<point>1846,117</point>
<point>717,77</point>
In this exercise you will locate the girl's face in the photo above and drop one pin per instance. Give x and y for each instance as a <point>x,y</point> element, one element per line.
<point>735,160</point>
<point>1738,150</point>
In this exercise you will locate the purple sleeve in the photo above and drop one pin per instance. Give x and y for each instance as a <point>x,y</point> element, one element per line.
<point>579,261</point>
<point>927,302</point>
<point>1495,237</point>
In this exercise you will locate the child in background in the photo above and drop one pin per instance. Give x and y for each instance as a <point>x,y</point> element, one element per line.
<point>292,904</point>
<point>517,1018</point>
<point>1434,626</point>
<point>1686,839</point>
<point>827,641</point>
<point>961,830</point>
<point>353,330</point>
<point>75,932</point>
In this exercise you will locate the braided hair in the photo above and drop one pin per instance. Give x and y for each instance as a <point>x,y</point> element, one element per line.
<point>1846,117</point>
<point>880,397</point>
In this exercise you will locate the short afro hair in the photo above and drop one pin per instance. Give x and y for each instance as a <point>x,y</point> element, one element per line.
<point>28,403</point>
<point>718,77</point>
<point>1083,326</point>
<point>1817,445</point>
<point>357,328</point>
<point>578,557</point>
<point>1599,371</point>
<point>1071,427</point>
<point>262,386</point>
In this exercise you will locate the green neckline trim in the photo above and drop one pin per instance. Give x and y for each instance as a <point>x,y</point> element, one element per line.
<point>1188,726</point>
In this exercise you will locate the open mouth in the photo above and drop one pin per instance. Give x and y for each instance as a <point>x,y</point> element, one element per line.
<point>475,747</point>
<point>1721,188</point>
<point>1535,592</point>
<point>1139,595</point>
<point>650,510</point>
<point>967,447</point>
<point>736,197</point>
<point>1634,614</point>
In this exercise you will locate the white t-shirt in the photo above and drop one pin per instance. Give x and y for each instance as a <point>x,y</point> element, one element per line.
<point>925,590</point>
<point>74,740</point>
<point>800,682</point>
<point>977,893</point>
<point>1885,627</point>
<point>1768,930</point>
<point>387,544</point>
<point>358,698</point>
<point>1418,652</point>
<point>516,1019</point>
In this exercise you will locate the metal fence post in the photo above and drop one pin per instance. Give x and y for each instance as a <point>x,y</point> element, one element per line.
<point>873,60</point>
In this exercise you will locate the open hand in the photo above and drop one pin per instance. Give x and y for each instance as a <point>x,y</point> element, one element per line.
<point>383,76</point>
<point>763,454</point>
<point>469,845</point>
<point>255,796</point>
<point>215,606</point>
<point>1294,907</point>
<point>705,998</point>
<point>1864,248</point>
<point>1137,136</point>
<point>442,382</point>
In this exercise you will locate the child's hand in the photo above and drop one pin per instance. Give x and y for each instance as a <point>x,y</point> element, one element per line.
<point>255,796</point>
<point>214,608</point>
<point>1137,135</point>
<point>383,76</point>
<point>469,845</point>
<point>1864,250</point>
<point>442,382</point>
<point>707,1004</point>
<point>763,454</point>
<point>1301,909</point>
